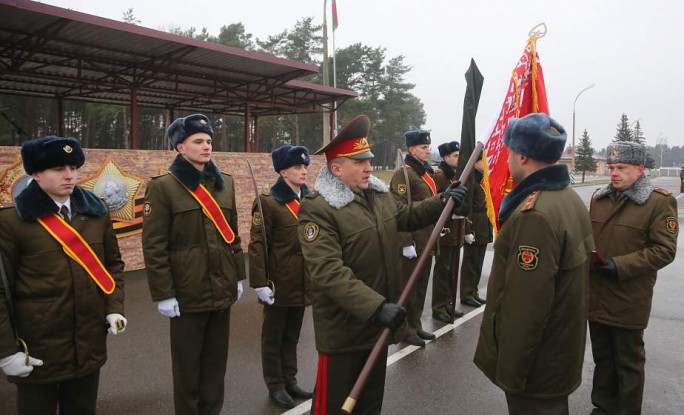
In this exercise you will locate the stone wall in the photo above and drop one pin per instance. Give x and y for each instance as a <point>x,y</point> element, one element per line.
<point>148,163</point>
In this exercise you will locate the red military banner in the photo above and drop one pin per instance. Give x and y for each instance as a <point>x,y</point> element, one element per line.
<point>526,94</point>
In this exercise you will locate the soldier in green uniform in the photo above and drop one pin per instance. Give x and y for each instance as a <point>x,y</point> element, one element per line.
<point>421,185</point>
<point>194,263</point>
<point>60,304</point>
<point>533,332</point>
<point>283,288</point>
<point>443,274</point>
<point>478,235</point>
<point>348,229</point>
<point>635,228</point>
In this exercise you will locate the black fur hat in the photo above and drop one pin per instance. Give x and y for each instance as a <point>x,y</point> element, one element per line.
<point>417,137</point>
<point>184,127</point>
<point>448,148</point>
<point>536,136</point>
<point>51,151</point>
<point>288,156</point>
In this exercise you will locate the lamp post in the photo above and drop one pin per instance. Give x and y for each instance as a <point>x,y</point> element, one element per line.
<point>574,150</point>
<point>661,141</point>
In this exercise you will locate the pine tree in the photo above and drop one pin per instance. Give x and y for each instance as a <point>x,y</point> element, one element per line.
<point>624,133</point>
<point>584,158</point>
<point>638,134</point>
<point>128,17</point>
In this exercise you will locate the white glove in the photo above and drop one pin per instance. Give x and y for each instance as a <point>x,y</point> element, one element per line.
<point>169,307</point>
<point>409,252</point>
<point>470,238</point>
<point>239,290</point>
<point>117,323</point>
<point>15,365</point>
<point>265,294</point>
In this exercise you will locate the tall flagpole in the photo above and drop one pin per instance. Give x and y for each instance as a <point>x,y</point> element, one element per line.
<point>334,117</point>
<point>325,75</point>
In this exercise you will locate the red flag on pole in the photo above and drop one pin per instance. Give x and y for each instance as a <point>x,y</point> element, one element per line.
<point>526,94</point>
<point>334,13</point>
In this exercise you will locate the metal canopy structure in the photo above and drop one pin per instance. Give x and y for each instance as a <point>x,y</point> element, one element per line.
<point>48,51</point>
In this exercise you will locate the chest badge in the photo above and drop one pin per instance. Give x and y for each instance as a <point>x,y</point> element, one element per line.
<point>528,257</point>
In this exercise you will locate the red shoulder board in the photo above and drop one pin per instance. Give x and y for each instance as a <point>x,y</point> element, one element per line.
<point>662,191</point>
<point>528,204</point>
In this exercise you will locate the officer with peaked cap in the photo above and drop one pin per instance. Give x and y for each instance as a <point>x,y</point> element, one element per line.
<point>63,303</point>
<point>348,230</point>
<point>537,286</point>
<point>635,228</point>
<point>283,287</point>
<point>194,263</point>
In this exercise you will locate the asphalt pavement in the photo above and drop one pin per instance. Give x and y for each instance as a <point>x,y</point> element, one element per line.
<point>437,379</point>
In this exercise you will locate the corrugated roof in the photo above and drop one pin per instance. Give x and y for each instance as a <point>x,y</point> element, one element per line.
<point>54,52</point>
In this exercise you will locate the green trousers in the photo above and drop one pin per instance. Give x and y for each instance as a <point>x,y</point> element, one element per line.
<point>619,374</point>
<point>471,269</point>
<point>279,338</point>
<point>199,354</point>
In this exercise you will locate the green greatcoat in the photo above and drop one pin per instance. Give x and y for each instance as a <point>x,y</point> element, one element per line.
<point>533,332</point>
<point>185,256</point>
<point>285,253</point>
<point>644,221</point>
<point>60,310</point>
<point>350,246</point>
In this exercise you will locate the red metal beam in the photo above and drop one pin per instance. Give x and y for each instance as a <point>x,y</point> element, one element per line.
<point>134,119</point>
<point>248,129</point>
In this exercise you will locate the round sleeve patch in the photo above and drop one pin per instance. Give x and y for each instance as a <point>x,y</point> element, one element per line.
<point>401,189</point>
<point>310,232</point>
<point>256,219</point>
<point>147,209</point>
<point>672,224</point>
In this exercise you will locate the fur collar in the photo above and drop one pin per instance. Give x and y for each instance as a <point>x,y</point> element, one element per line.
<point>33,203</point>
<point>639,192</point>
<point>417,166</point>
<point>283,193</point>
<point>448,171</point>
<point>337,193</point>
<point>549,178</point>
<point>191,177</point>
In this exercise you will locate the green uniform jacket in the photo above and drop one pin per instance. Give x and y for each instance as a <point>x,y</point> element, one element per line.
<point>185,255</point>
<point>60,310</point>
<point>419,191</point>
<point>639,232</point>
<point>350,246</point>
<point>533,332</point>
<point>285,258</point>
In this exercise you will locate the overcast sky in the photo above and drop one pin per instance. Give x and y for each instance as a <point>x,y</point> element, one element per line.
<point>633,50</point>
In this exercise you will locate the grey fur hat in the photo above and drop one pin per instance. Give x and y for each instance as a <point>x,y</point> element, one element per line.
<point>536,136</point>
<point>626,152</point>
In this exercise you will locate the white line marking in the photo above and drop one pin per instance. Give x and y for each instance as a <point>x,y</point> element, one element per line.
<point>304,407</point>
